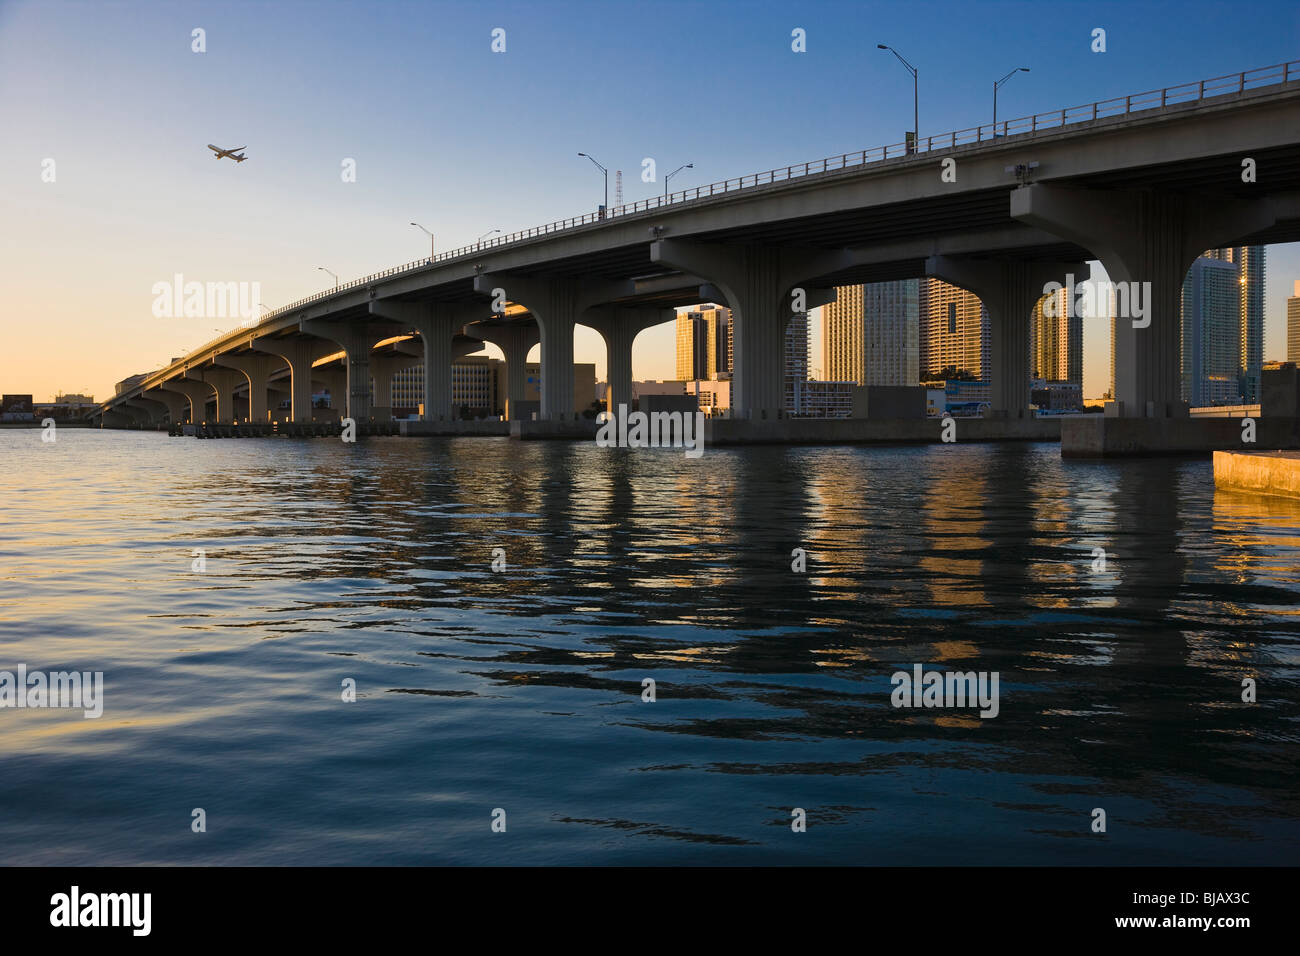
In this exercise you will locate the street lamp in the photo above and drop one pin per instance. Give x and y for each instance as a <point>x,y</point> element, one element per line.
<point>672,174</point>
<point>996,87</point>
<point>916,124</point>
<point>336,278</point>
<point>484,236</point>
<point>606,172</point>
<point>427,233</point>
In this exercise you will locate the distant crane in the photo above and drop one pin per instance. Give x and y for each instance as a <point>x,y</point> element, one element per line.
<point>618,188</point>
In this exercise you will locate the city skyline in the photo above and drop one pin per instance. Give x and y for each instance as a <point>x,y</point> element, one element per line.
<point>278,220</point>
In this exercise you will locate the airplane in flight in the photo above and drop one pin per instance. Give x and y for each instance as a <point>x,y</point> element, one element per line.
<point>232,153</point>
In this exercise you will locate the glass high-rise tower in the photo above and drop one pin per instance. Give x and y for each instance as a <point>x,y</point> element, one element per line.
<point>871,334</point>
<point>1212,333</point>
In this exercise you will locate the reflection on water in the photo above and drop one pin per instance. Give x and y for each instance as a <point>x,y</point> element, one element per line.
<point>1120,689</point>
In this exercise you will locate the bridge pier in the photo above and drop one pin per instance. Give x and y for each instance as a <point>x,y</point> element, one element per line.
<point>382,367</point>
<point>334,379</point>
<point>139,410</point>
<point>257,369</point>
<point>1009,289</point>
<point>437,324</point>
<point>116,417</point>
<point>178,404</point>
<point>298,354</point>
<point>619,327</point>
<point>760,285</point>
<point>156,409</point>
<point>515,338</point>
<point>556,304</point>
<point>357,339</point>
<point>224,381</point>
<point>198,393</point>
<point>1143,236</point>
<point>274,396</point>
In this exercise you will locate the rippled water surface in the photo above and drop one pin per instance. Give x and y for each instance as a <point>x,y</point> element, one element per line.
<point>522,689</point>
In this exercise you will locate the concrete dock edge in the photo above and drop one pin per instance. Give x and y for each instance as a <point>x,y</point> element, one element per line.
<point>1260,472</point>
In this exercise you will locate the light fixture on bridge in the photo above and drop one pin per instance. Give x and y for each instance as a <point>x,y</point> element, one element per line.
<point>336,278</point>
<point>606,172</point>
<point>672,174</point>
<point>916,122</point>
<point>427,233</point>
<point>1022,171</point>
<point>996,86</point>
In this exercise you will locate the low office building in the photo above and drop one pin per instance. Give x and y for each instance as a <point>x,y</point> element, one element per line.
<point>819,399</point>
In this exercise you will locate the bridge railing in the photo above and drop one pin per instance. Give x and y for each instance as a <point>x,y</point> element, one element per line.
<point>1280,73</point>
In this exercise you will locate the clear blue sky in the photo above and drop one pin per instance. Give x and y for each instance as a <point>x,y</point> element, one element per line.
<point>464,140</point>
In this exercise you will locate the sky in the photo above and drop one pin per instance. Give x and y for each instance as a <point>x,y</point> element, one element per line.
<point>448,133</point>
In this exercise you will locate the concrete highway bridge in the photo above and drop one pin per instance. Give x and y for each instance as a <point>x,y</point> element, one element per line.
<point>1144,183</point>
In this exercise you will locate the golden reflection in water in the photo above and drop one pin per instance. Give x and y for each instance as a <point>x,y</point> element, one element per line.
<point>952,516</point>
<point>838,526</point>
<point>1264,547</point>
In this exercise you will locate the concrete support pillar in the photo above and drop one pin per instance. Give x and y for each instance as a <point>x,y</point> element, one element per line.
<point>139,411</point>
<point>199,394</point>
<point>178,404</point>
<point>298,354</point>
<point>274,396</point>
<point>333,377</point>
<point>437,324</point>
<point>556,304</point>
<point>515,338</point>
<point>356,339</point>
<point>224,381</point>
<point>160,411</point>
<point>116,417</point>
<point>382,368</point>
<point>436,331</point>
<point>619,328</point>
<point>762,287</point>
<point>1009,290</point>
<point>256,367</point>
<point>1150,238</point>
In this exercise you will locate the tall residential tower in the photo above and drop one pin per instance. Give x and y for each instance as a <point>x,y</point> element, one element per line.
<point>1293,326</point>
<point>871,334</point>
<point>704,343</point>
<point>955,333</point>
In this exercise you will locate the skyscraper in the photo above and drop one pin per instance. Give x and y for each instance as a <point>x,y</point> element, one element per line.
<point>871,334</point>
<point>1211,333</point>
<point>1250,264</point>
<point>703,343</point>
<point>1111,393</point>
<point>796,361</point>
<point>705,350</point>
<point>1056,338</point>
<point>1293,326</point>
<point>954,331</point>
